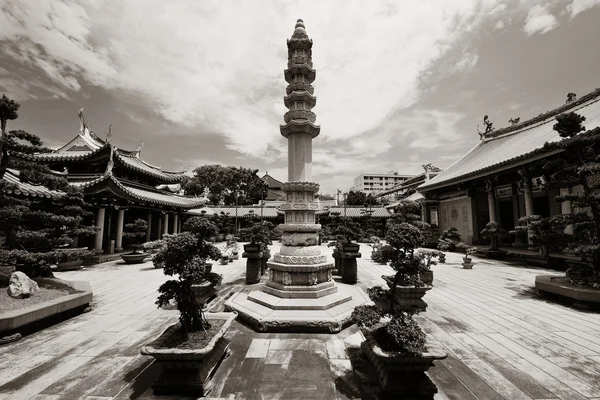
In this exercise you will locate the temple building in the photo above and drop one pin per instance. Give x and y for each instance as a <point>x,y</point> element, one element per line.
<point>492,182</point>
<point>121,187</point>
<point>274,191</point>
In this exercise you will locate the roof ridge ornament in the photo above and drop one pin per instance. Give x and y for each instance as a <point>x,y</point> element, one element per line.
<point>111,163</point>
<point>109,134</point>
<point>489,127</point>
<point>139,149</point>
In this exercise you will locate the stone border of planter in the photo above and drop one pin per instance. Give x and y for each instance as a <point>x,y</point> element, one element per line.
<point>13,320</point>
<point>583,298</point>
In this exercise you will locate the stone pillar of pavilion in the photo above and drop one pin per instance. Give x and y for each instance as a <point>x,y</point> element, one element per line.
<point>175,223</point>
<point>300,293</point>
<point>165,225</point>
<point>491,200</point>
<point>100,233</point>
<point>149,229</point>
<point>119,237</point>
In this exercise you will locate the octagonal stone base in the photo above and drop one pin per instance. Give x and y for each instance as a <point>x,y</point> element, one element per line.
<point>268,313</point>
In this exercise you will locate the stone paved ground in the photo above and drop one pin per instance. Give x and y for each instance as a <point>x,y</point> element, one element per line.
<point>503,343</point>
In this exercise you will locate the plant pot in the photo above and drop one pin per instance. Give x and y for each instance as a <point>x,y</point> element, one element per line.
<point>224,261</point>
<point>186,371</point>
<point>220,237</point>
<point>134,258</point>
<point>70,265</point>
<point>235,255</point>
<point>427,277</point>
<point>204,292</point>
<point>408,298</point>
<point>350,247</point>
<point>442,259</point>
<point>251,248</point>
<point>467,264</point>
<point>402,376</point>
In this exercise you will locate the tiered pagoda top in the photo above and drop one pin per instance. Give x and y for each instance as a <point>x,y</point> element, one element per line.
<point>97,166</point>
<point>300,75</point>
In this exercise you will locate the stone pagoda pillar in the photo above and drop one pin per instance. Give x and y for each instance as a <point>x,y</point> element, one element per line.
<point>300,293</point>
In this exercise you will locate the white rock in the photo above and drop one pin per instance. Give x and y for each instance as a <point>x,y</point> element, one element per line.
<point>21,286</point>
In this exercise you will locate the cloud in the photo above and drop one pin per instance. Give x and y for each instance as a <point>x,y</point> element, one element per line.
<point>539,20</point>
<point>579,6</point>
<point>215,65</point>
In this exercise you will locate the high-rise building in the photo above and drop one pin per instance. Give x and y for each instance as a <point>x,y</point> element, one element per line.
<point>374,183</point>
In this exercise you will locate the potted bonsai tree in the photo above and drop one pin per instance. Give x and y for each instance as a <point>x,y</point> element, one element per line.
<point>345,232</point>
<point>468,250</point>
<point>428,259</point>
<point>407,286</point>
<point>190,350</point>
<point>396,347</point>
<point>257,251</point>
<point>447,242</point>
<point>135,233</point>
<point>493,231</point>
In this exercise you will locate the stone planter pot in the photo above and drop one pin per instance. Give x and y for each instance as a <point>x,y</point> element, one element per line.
<point>186,371</point>
<point>134,258</point>
<point>350,247</point>
<point>70,265</point>
<point>442,259</point>
<point>349,267</point>
<point>408,298</point>
<point>220,237</point>
<point>402,376</point>
<point>467,263</point>
<point>204,291</point>
<point>224,261</point>
<point>427,277</point>
<point>251,248</point>
<point>235,255</point>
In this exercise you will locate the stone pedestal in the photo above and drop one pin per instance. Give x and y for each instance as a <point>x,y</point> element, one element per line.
<point>349,267</point>
<point>254,264</point>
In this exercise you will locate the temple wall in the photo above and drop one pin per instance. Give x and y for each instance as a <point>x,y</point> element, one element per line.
<point>457,213</point>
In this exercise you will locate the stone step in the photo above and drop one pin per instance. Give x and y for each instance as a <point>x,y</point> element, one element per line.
<point>279,303</point>
<point>297,293</point>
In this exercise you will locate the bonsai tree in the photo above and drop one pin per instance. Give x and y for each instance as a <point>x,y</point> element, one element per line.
<point>546,234</point>
<point>185,256</point>
<point>493,231</point>
<point>428,257</point>
<point>36,229</point>
<point>404,239</point>
<point>382,254</point>
<point>345,230</point>
<point>468,250</point>
<point>449,239</point>
<point>135,233</point>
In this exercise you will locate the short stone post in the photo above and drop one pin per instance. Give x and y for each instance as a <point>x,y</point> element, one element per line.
<point>254,263</point>
<point>348,256</point>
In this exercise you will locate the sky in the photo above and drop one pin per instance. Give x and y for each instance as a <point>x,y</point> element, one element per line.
<point>399,83</point>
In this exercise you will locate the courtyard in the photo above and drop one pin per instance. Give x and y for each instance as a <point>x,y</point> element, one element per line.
<point>503,342</point>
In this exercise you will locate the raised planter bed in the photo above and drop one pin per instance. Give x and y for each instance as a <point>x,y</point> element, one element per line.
<point>493,254</point>
<point>14,323</point>
<point>402,376</point>
<point>579,297</point>
<point>188,371</point>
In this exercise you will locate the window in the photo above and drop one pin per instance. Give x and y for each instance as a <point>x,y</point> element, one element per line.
<point>299,53</point>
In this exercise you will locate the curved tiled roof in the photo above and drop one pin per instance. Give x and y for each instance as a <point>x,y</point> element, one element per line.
<point>28,189</point>
<point>149,195</point>
<point>378,212</point>
<point>137,164</point>
<point>515,145</point>
<point>267,212</point>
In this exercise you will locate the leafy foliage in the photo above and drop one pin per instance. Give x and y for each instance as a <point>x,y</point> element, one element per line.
<point>408,212</point>
<point>226,184</point>
<point>185,256</point>
<point>33,227</point>
<point>494,232</point>
<point>345,230</point>
<point>569,124</point>
<point>382,254</point>
<point>355,198</point>
<point>449,239</point>
<point>135,232</point>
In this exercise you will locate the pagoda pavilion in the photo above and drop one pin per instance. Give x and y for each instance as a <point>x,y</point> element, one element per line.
<point>121,187</point>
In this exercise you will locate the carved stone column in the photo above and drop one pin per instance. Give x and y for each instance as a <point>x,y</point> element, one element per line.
<point>489,187</point>
<point>165,224</point>
<point>175,223</point>
<point>149,229</point>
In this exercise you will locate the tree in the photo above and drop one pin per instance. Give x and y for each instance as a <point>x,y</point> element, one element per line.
<point>185,256</point>
<point>578,165</point>
<point>135,233</point>
<point>225,184</point>
<point>8,111</point>
<point>355,198</point>
<point>324,197</point>
<point>35,228</point>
